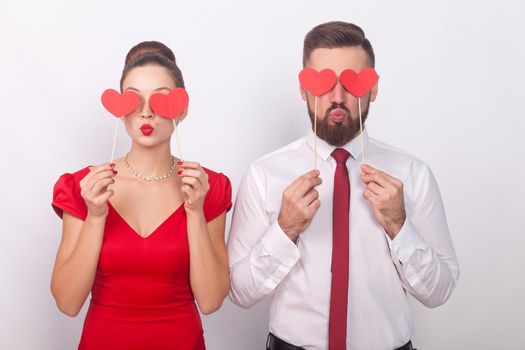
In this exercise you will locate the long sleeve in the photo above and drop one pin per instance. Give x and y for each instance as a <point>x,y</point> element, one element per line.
<point>423,252</point>
<point>263,261</point>
<point>260,253</point>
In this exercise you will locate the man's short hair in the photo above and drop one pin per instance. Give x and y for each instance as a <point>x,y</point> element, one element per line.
<point>335,35</point>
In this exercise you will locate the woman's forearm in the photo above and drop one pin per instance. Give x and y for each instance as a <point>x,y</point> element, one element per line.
<point>209,276</point>
<point>72,280</point>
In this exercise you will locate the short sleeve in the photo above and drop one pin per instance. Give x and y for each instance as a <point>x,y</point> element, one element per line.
<point>219,197</point>
<point>66,197</point>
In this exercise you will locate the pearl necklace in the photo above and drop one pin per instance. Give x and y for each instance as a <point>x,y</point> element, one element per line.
<point>150,178</point>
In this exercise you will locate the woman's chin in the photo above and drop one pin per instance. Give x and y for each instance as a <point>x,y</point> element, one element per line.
<point>147,141</point>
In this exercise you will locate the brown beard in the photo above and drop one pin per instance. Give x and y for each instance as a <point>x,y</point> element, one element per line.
<point>340,133</point>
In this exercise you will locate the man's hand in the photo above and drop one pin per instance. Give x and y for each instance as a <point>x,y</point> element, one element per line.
<point>385,193</point>
<point>299,204</point>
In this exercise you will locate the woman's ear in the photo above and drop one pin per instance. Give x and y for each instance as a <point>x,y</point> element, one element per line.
<point>183,115</point>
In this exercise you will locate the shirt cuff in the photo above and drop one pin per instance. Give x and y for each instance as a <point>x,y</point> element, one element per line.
<point>406,242</point>
<point>280,246</point>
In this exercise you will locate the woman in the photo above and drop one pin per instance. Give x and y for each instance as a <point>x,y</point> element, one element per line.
<point>144,235</point>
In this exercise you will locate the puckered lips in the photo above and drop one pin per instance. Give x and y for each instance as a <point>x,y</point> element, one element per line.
<point>146,129</point>
<point>337,115</point>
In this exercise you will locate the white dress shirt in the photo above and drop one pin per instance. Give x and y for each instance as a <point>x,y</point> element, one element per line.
<point>420,260</point>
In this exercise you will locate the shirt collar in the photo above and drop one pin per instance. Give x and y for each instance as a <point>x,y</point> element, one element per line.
<point>324,149</point>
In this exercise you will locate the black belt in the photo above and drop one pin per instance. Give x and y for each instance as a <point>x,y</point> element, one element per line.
<point>274,343</point>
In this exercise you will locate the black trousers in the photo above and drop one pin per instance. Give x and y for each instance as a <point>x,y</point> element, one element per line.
<point>274,343</point>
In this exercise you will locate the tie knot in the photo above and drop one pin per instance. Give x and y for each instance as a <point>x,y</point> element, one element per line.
<point>340,155</point>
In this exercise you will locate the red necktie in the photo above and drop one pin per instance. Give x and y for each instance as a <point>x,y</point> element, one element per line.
<point>340,245</point>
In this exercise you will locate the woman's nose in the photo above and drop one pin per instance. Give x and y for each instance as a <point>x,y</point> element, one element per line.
<point>146,111</point>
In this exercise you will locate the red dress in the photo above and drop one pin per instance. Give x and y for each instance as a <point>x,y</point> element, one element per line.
<point>141,297</point>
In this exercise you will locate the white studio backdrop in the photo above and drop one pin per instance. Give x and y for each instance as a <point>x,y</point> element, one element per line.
<point>451,92</point>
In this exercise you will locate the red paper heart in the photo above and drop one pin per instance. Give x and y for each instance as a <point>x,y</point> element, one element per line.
<point>170,105</point>
<point>359,84</point>
<point>120,104</point>
<point>317,83</point>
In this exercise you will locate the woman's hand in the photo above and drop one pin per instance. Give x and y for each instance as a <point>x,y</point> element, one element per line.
<point>194,185</point>
<point>94,189</point>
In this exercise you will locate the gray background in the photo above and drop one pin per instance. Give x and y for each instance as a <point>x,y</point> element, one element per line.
<point>451,92</point>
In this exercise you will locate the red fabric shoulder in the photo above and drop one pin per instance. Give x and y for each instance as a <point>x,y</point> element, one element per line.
<point>219,197</point>
<point>66,195</point>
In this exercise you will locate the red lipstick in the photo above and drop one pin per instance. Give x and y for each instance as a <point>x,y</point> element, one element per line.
<point>146,129</point>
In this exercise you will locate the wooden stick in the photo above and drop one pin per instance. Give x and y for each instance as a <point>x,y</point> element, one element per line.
<point>180,152</point>
<point>315,133</point>
<point>361,126</point>
<point>177,139</point>
<point>114,141</point>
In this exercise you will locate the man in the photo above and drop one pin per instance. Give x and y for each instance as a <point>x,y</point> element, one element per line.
<point>340,254</point>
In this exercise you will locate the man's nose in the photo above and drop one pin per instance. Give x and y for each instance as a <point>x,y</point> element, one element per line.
<point>337,94</point>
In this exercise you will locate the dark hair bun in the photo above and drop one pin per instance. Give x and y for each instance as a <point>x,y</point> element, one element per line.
<point>149,47</point>
<point>152,53</point>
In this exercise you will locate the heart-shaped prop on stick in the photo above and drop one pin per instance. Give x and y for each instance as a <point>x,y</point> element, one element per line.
<point>119,105</point>
<point>359,85</point>
<point>318,84</point>
<point>171,106</point>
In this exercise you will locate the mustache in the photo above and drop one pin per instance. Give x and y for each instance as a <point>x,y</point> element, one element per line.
<point>337,106</point>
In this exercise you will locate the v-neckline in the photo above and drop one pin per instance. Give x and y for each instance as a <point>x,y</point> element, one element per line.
<point>152,232</point>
